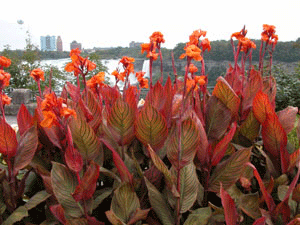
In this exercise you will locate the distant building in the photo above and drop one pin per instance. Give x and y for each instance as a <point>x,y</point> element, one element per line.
<point>74,45</point>
<point>134,44</point>
<point>59,45</point>
<point>48,43</point>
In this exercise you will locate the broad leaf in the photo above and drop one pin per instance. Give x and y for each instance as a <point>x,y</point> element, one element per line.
<point>230,212</point>
<point>58,212</point>
<point>199,216</point>
<point>140,214</point>
<point>85,139</point>
<point>250,127</point>
<point>275,142</point>
<point>156,97</point>
<point>87,187</point>
<point>26,149</point>
<point>269,87</point>
<point>37,199</point>
<point>95,107</point>
<point>230,170</point>
<point>253,85</point>
<point>183,154</point>
<point>64,184</point>
<point>159,204</point>
<point>189,186</point>
<point>287,118</point>
<point>110,95</point>
<point>8,140</point>
<point>124,202</point>
<point>125,175</point>
<point>260,221</point>
<point>73,91</point>
<point>233,77</point>
<point>112,217</point>
<point>161,166</point>
<point>121,122</point>
<point>218,118</point>
<point>249,204</point>
<point>24,118</point>
<point>151,127</point>
<point>262,106</point>
<point>227,95</point>
<point>220,149</point>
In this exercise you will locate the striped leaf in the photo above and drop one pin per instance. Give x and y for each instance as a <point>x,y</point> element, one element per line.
<point>229,171</point>
<point>189,186</point>
<point>8,140</point>
<point>121,122</point>
<point>159,204</point>
<point>24,118</point>
<point>95,108</point>
<point>218,118</point>
<point>227,95</point>
<point>64,183</point>
<point>124,202</point>
<point>156,96</point>
<point>151,127</point>
<point>262,106</point>
<point>250,127</point>
<point>85,139</point>
<point>287,118</point>
<point>230,212</point>
<point>182,155</point>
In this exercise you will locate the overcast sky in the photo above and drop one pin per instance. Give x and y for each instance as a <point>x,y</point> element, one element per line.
<point>112,23</point>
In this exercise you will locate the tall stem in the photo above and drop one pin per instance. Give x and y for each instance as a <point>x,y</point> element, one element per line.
<point>173,65</point>
<point>161,66</point>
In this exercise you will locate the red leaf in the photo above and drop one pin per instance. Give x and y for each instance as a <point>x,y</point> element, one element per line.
<point>220,149</point>
<point>88,184</point>
<point>294,159</point>
<point>110,95</point>
<point>269,200</point>
<point>262,106</point>
<point>253,85</point>
<point>156,96</point>
<point>26,149</point>
<point>125,175</point>
<point>233,77</point>
<point>59,213</point>
<point>287,118</point>
<point>275,141</point>
<point>73,91</point>
<point>72,156</point>
<point>231,215</point>
<point>8,140</point>
<point>94,221</point>
<point>227,95</point>
<point>87,113</point>
<point>25,119</point>
<point>131,97</point>
<point>260,221</point>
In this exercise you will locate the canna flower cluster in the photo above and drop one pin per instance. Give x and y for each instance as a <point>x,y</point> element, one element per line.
<point>4,62</point>
<point>54,110</point>
<point>128,67</point>
<point>37,74</point>
<point>245,43</point>
<point>4,82</point>
<point>79,65</point>
<point>143,82</point>
<point>96,81</point>
<point>268,35</point>
<point>155,42</point>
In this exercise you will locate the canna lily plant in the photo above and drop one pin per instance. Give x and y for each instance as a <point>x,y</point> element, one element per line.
<point>96,155</point>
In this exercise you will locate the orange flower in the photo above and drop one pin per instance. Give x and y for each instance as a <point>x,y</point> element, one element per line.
<point>190,83</point>
<point>5,62</point>
<point>119,76</point>
<point>239,35</point>
<point>75,51</point>
<point>66,112</point>
<point>6,100</point>
<point>37,74</point>
<point>155,41</point>
<point>200,80</point>
<point>140,74</point>
<point>127,65</point>
<point>246,44</point>
<point>205,44</point>
<point>157,38</point>
<point>49,120</point>
<point>194,37</point>
<point>143,82</point>
<point>4,79</point>
<point>145,47</point>
<point>98,79</point>
<point>49,102</point>
<point>193,68</point>
<point>193,52</point>
<point>90,65</point>
<point>269,34</point>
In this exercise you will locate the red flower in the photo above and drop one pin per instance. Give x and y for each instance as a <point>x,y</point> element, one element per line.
<point>269,34</point>
<point>4,79</point>
<point>5,62</point>
<point>37,74</point>
<point>6,100</point>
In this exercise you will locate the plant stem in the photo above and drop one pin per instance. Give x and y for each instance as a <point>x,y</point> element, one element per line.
<point>173,65</point>
<point>161,66</point>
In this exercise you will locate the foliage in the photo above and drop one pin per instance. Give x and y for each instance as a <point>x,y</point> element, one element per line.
<point>98,155</point>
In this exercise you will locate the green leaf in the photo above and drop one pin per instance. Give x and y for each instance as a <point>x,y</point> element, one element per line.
<point>226,94</point>
<point>218,118</point>
<point>249,204</point>
<point>37,199</point>
<point>86,140</point>
<point>190,138</point>
<point>199,216</point>
<point>189,186</point>
<point>151,127</point>
<point>159,204</point>
<point>16,216</point>
<point>229,171</point>
<point>250,127</point>
<point>121,122</point>
<point>113,218</point>
<point>64,184</point>
<point>26,149</point>
<point>103,195</point>
<point>124,202</point>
